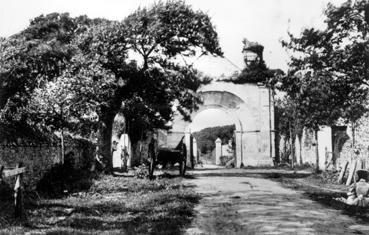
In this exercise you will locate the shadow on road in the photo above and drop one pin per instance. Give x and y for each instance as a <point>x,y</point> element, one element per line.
<point>319,195</point>
<point>269,174</point>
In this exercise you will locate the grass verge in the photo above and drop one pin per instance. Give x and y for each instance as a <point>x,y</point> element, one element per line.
<point>112,205</point>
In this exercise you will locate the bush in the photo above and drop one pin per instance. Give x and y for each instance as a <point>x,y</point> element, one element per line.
<point>141,172</point>
<point>225,159</point>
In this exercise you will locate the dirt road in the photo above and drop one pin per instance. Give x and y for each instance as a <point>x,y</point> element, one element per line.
<point>239,204</point>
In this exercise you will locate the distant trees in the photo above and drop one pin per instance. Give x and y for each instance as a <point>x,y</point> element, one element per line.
<point>207,136</point>
<point>76,73</point>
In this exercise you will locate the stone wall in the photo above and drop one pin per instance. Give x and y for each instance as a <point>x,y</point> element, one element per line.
<point>38,158</point>
<point>361,134</point>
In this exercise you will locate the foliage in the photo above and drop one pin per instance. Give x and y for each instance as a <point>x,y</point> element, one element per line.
<point>76,73</point>
<point>33,63</point>
<point>327,78</point>
<point>286,113</point>
<point>160,34</point>
<point>207,136</point>
<point>255,70</point>
<point>34,56</point>
<point>141,172</point>
<point>168,29</point>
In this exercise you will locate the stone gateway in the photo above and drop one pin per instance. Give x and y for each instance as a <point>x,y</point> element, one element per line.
<point>251,108</point>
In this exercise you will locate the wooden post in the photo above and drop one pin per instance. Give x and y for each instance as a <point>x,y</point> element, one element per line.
<point>351,172</point>
<point>18,194</point>
<point>342,173</point>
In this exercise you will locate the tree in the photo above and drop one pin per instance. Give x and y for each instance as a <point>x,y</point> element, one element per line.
<point>328,73</point>
<point>50,108</point>
<point>169,29</point>
<point>42,61</point>
<point>31,58</point>
<point>161,34</point>
<point>145,95</point>
<point>100,78</point>
<point>288,125</point>
<point>207,136</point>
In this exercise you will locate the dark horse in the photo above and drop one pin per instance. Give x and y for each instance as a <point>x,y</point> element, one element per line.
<point>171,156</point>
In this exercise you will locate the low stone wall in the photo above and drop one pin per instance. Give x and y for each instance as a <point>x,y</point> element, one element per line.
<point>38,158</point>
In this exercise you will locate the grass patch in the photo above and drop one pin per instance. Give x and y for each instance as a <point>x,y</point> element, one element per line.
<point>112,205</point>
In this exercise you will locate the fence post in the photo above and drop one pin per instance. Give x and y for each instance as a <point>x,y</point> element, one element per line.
<point>351,172</point>
<point>18,194</point>
<point>343,171</point>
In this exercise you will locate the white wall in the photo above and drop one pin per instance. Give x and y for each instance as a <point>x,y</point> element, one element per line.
<point>308,146</point>
<point>324,142</point>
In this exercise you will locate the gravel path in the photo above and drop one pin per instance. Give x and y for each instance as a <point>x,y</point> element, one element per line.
<point>253,205</point>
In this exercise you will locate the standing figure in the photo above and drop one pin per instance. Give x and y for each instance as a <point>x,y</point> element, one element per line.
<point>152,153</point>
<point>117,159</point>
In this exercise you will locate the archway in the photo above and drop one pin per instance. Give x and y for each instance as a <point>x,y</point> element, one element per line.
<point>227,102</point>
<point>251,109</point>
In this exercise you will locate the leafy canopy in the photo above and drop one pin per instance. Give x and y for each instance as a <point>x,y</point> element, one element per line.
<point>84,65</point>
<point>328,72</point>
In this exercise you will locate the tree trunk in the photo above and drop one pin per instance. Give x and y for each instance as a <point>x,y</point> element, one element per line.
<point>317,152</point>
<point>104,136</point>
<point>293,152</point>
<point>292,142</point>
<point>136,160</point>
<point>353,134</point>
<point>62,146</point>
<point>300,146</point>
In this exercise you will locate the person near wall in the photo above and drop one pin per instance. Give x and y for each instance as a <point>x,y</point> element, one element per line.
<point>117,158</point>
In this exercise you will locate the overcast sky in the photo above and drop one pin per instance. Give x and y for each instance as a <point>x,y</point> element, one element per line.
<point>264,21</point>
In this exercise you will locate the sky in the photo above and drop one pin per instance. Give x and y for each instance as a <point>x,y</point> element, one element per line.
<point>264,21</point>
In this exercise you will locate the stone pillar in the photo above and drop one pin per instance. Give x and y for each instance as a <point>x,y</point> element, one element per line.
<point>189,148</point>
<point>194,150</point>
<point>187,141</point>
<point>238,141</point>
<point>218,151</point>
